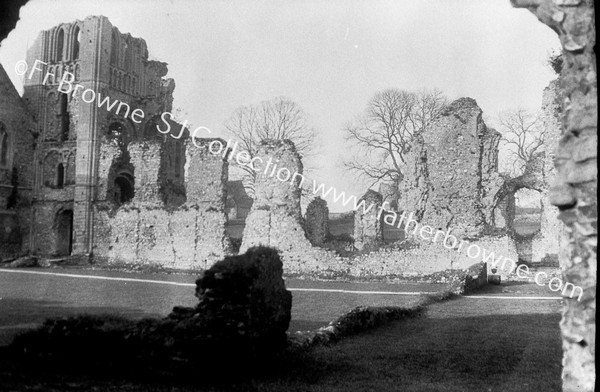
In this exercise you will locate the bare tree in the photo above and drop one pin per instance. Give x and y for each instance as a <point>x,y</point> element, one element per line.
<point>382,135</point>
<point>278,119</point>
<point>524,136</point>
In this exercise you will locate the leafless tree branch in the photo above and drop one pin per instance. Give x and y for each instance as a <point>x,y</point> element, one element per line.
<point>382,135</point>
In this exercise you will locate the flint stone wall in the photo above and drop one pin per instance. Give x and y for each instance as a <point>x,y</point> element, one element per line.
<point>275,219</point>
<point>368,221</point>
<point>576,184</point>
<point>15,222</point>
<point>546,244</point>
<point>452,171</point>
<point>146,231</point>
<point>421,260</point>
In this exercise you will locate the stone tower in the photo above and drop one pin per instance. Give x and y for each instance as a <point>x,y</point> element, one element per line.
<point>76,131</point>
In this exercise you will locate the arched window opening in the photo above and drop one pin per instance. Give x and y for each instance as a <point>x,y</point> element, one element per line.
<point>123,188</point>
<point>127,56</point>
<point>60,44</point>
<point>113,48</point>
<point>65,119</point>
<point>60,176</point>
<point>3,146</point>
<point>76,42</point>
<point>528,212</point>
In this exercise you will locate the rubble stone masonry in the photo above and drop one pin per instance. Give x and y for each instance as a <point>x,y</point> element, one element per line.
<point>451,165</point>
<point>574,191</point>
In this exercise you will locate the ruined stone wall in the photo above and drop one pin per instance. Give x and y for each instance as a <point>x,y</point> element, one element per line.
<point>368,221</point>
<point>113,65</point>
<point>546,244</point>
<point>425,258</point>
<point>451,169</point>
<point>145,231</point>
<point>576,184</point>
<point>275,219</point>
<point>17,130</point>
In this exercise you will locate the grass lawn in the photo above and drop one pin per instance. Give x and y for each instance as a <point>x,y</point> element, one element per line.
<point>466,344</point>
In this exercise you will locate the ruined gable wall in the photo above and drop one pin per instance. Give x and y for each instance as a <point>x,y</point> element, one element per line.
<point>449,168</point>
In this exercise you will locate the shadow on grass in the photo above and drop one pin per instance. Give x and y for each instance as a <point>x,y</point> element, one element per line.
<point>486,353</point>
<point>18,315</point>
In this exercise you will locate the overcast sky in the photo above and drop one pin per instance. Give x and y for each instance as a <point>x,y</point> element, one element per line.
<point>328,56</point>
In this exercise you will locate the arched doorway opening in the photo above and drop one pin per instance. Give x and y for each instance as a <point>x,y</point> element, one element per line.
<point>527,221</point>
<point>528,212</point>
<point>123,190</point>
<point>64,233</point>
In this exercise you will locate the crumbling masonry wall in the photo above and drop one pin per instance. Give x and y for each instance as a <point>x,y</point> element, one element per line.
<point>16,170</point>
<point>546,244</point>
<point>147,231</point>
<point>275,221</point>
<point>368,225</point>
<point>452,170</point>
<point>275,218</point>
<point>574,191</point>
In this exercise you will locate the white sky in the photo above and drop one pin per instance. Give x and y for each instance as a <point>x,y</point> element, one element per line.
<point>328,56</point>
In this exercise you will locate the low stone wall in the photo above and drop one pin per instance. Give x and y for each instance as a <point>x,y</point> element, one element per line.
<point>361,319</point>
<point>419,260</point>
<point>188,237</point>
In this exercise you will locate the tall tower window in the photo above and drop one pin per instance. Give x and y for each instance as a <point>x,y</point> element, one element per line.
<point>76,42</point>
<point>60,176</point>
<point>64,117</point>
<point>60,44</point>
<point>3,146</point>
<point>128,56</point>
<point>113,48</point>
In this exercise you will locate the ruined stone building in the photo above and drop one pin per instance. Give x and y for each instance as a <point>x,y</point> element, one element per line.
<point>75,177</point>
<point>17,143</point>
<point>91,181</point>
<point>81,179</point>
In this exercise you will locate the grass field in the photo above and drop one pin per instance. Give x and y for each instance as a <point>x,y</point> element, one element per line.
<point>462,345</point>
